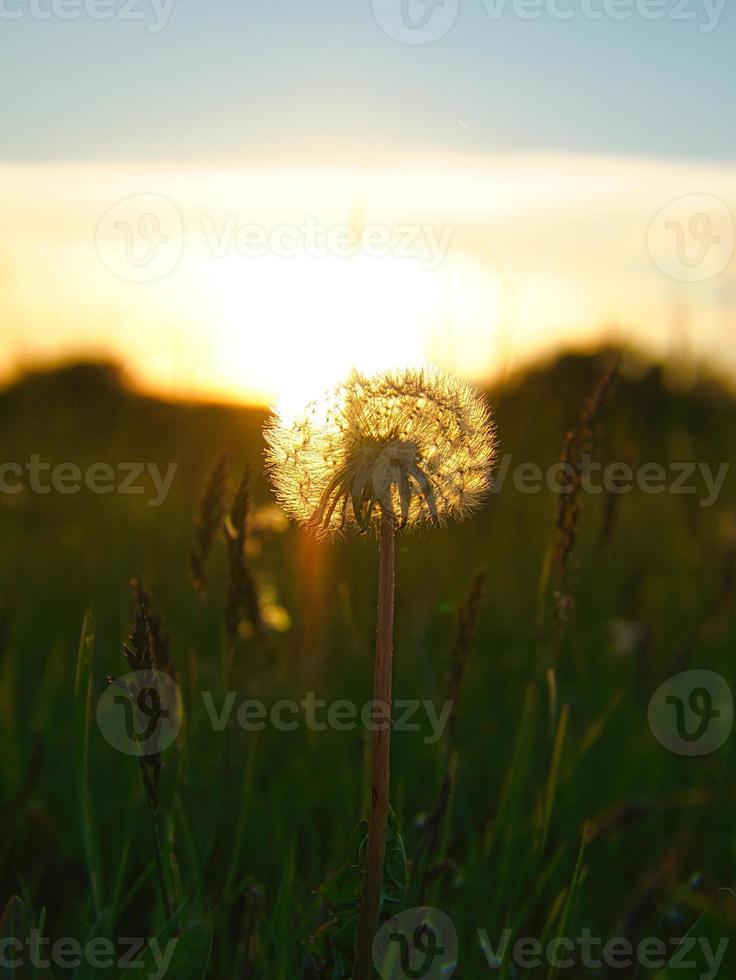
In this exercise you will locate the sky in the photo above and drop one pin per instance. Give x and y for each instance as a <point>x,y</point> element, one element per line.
<point>233,79</point>
<point>567,169</point>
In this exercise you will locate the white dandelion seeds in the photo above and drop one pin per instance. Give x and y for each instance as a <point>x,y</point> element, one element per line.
<point>415,445</point>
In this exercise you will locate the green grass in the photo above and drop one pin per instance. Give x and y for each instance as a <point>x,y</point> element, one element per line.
<point>252,824</point>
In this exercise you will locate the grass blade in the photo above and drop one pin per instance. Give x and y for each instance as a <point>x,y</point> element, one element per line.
<point>82,724</point>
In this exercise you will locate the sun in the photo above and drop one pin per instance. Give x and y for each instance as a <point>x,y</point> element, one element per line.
<point>282,331</point>
<point>304,322</point>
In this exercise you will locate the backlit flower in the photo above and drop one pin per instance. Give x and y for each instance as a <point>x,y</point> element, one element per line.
<point>416,445</point>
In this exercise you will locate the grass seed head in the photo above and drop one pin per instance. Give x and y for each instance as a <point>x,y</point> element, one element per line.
<point>211,514</point>
<point>139,653</point>
<point>242,604</point>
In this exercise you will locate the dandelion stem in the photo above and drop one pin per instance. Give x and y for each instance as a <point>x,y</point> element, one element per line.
<point>380,752</point>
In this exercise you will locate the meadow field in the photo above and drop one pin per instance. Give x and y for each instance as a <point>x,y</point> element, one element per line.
<point>548,799</point>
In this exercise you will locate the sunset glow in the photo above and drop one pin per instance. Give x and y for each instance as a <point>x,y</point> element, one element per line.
<point>226,284</point>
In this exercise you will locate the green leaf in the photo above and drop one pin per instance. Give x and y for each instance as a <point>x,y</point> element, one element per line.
<point>571,899</point>
<point>100,930</point>
<point>16,923</point>
<point>334,942</point>
<point>190,957</point>
<point>345,885</point>
<point>552,778</point>
<point>708,931</point>
<point>82,723</point>
<point>394,869</point>
<point>192,954</point>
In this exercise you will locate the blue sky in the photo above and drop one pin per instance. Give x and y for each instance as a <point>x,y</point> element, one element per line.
<point>281,80</point>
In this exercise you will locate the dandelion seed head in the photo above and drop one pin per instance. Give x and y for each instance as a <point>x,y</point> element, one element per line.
<point>415,445</point>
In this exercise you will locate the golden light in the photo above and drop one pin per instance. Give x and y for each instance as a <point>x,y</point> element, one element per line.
<point>536,252</point>
<point>289,329</point>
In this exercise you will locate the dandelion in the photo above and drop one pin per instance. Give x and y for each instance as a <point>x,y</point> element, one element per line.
<point>413,446</point>
<point>383,453</point>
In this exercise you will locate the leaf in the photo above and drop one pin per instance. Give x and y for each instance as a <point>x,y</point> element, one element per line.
<point>281,928</point>
<point>506,837</point>
<point>100,930</point>
<point>345,884</point>
<point>190,957</point>
<point>394,868</point>
<point>571,899</point>
<point>553,777</point>
<point>709,932</point>
<point>82,722</point>
<point>192,954</point>
<point>16,923</point>
<point>334,942</point>
<point>244,806</point>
